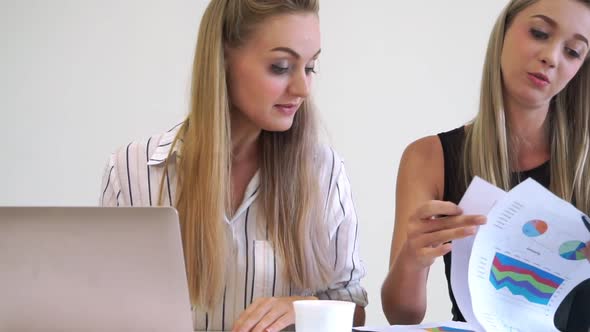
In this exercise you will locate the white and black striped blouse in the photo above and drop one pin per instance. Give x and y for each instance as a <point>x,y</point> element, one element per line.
<point>133,176</point>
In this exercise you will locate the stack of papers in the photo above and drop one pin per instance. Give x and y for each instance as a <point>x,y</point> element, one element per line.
<point>436,327</point>
<point>513,274</point>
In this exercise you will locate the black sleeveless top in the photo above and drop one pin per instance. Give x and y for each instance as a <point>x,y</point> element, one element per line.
<point>573,314</point>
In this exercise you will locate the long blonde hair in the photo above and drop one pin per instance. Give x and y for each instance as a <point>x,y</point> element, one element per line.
<point>288,182</point>
<point>488,152</point>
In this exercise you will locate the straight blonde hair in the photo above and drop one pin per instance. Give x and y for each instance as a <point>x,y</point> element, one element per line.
<point>488,152</point>
<point>289,184</point>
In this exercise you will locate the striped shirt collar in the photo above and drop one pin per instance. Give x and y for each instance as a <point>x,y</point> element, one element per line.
<point>161,152</point>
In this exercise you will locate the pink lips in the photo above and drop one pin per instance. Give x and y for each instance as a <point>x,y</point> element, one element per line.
<point>539,79</point>
<point>287,109</point>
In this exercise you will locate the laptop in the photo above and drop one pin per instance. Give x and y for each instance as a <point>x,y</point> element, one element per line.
<point>92,269</point>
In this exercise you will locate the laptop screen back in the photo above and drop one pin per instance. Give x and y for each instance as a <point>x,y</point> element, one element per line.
<point>92,269</point>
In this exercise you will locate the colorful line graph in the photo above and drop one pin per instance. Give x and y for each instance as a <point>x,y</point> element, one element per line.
<point>534,284</point>
<point>446,329</point>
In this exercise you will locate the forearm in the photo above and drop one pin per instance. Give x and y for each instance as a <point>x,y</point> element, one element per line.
<point>359,316</point>
<point>403,295</point>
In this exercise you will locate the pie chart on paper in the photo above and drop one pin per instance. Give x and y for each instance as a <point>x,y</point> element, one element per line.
<point>535,228</point>
<point>573,250</point>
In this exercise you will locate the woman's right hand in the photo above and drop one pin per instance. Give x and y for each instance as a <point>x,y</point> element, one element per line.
<point>423,227</point>
<point>431,228</point>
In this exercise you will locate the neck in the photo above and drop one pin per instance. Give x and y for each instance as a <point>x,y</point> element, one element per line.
<point>529,134</point>
<point>244,139</point>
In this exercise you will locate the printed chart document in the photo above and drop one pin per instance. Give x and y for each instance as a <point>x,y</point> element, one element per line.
<point>513,274</point>
<point>526,259</point>
<point>436,327</point>
<point>479,198</point>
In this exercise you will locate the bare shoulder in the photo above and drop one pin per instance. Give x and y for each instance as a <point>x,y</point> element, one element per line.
<point>422,163</point>
<point>420,178</point>
<point>424,149</point>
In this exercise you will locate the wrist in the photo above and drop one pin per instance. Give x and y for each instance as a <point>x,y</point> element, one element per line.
<point>408,264</point>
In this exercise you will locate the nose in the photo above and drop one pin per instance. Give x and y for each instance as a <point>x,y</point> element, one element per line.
<point>549,56</point>
<point>300,85</point>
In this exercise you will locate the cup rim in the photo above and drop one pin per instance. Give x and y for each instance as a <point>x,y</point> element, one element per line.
<point>324,302</point>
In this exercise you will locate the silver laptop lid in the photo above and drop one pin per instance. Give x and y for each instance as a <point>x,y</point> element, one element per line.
<point>92,269</point>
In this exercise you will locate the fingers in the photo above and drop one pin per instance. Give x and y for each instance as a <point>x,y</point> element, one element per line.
<point>587,251</point>
<point>432,253</point>
<point>443,236</point>
<point>437,208</point>
<point>251,316</point>
<point>266,315</point>
<point>434,225</point>
<point>279,324</point>
<point>437,231</point>
<point>423,257</point>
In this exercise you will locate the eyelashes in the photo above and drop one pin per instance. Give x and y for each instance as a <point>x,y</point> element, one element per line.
<point>538,34</point>
<point>310,70</point>
<point>572,53</point>
<point>541,35</point>
<point>280,70</point>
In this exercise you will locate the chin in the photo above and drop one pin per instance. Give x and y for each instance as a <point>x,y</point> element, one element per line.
<point>536,101</point>
<point>532,98</point>
<point>279,127</point>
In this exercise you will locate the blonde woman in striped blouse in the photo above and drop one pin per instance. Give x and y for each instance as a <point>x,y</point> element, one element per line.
<point>266,210</point>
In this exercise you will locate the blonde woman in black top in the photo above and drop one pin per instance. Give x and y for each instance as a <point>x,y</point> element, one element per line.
<point>533,120</point>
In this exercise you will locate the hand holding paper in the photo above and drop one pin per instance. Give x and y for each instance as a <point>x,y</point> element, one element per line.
<point>431,229</point>
<point>524,262</point>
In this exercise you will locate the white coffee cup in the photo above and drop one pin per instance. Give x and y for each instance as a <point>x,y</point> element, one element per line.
<point>324,316</point>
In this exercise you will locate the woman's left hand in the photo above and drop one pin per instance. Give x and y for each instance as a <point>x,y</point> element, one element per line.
<point>270,314</point>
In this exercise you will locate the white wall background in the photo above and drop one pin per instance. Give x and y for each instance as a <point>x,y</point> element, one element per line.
<point>81,77</point>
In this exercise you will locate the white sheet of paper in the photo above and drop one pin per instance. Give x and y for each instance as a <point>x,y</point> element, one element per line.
<point>479,198</point>
<point>513,274</point>
<point>526,259</point>
<point>446,326</point>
